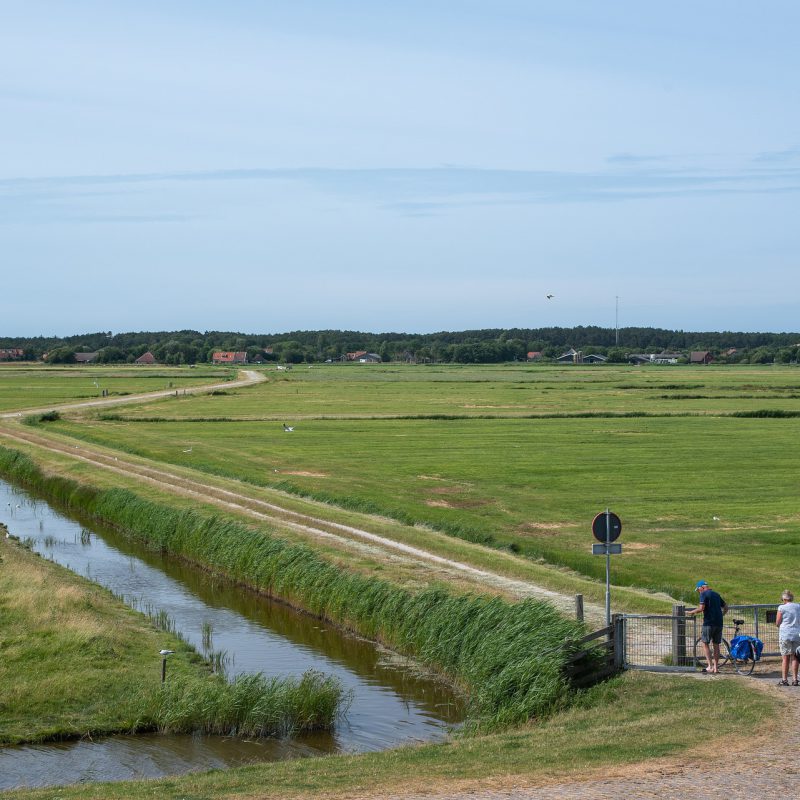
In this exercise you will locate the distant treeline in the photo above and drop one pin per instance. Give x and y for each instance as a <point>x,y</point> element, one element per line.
<point>490,345</point>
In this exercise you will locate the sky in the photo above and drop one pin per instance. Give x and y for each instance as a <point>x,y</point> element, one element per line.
<point>266,166</point>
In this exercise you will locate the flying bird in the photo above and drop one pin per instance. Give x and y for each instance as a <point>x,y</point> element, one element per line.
<point>288,428</point>
<point>549,296</point>
<point>716,519</point>
<point>188,451</point>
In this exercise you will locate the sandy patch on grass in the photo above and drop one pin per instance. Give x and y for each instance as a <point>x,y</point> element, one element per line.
<point>305,473</point>
<point>641,546</point>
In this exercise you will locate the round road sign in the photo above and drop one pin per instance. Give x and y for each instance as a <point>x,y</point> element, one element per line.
<point>599,525</point>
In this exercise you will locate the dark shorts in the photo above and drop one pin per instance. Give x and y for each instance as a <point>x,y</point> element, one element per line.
<point>711,633</point>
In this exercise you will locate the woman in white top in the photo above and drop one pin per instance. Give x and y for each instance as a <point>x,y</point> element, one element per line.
<point>788,622</point>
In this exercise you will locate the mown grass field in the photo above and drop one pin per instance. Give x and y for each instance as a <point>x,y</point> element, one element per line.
<point>531,484</point>
<point>372,390</point>
<point>35,386</point>
<point>531,478</point>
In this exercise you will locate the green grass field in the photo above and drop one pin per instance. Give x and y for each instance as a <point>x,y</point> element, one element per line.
<point>507,453</point>
<point>530,483</point>
<point>370,390</point>
<point>34,386</point>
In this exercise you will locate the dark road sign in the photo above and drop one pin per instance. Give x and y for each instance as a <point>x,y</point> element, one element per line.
<point>601,522</point>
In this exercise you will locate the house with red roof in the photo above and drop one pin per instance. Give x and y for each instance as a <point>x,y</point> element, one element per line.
<point>229,357</point>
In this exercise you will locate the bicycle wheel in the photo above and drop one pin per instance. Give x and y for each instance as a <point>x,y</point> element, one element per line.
<point>700,656</point>
<point>745,666</point>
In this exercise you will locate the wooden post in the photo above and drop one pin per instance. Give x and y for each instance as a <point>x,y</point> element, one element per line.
<point>579,607</point>
<point>163,669</point>
<point>618,634</point>
<point>679,636</point>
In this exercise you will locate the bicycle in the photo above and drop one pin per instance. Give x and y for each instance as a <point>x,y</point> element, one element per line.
<point>744,663</point>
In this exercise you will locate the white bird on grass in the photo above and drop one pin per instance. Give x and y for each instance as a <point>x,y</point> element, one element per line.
<point>716,519</point>
<point>288,428</point>
<point>188,451</point>
<point>165,652</point>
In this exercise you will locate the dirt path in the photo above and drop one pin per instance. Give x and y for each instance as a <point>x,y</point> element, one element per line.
<point>251,377</point>
<point>759,767</point>
<point>345,536</point>
<point>239,500</point>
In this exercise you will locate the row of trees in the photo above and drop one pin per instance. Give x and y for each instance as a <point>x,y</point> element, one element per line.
<point>491,345</point>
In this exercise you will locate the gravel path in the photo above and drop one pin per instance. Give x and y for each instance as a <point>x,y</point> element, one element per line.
<point>763,767</point>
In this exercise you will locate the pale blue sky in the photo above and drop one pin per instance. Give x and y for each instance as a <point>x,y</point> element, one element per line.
<point>417,166</point>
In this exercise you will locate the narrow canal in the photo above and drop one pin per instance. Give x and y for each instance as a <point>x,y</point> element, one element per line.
<point>393,701</point>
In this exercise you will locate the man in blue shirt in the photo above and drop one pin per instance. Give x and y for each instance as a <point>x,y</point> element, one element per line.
<point>713,608</point>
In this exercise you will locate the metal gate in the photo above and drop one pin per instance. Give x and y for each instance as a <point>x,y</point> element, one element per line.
<point>666,642</point>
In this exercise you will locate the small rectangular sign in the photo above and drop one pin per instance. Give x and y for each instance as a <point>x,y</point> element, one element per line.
<point>614,549</point>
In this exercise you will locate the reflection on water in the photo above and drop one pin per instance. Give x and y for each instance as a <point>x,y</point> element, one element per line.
<point>393,703</point>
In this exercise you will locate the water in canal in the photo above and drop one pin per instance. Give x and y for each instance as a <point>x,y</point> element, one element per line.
<point>393,703</point>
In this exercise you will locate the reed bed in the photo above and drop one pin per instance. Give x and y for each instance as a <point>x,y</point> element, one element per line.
<point>508,657</point>
<point>248,706</point>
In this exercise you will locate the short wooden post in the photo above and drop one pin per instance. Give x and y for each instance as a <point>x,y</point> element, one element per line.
<point>618,638</point>
<point>163,669</point>
<point>679,636</point>
<point>579,607</point>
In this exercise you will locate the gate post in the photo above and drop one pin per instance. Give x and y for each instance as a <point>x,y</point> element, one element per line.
<point>679,636</point>
<point>618,634</point>
<point>579,607</point>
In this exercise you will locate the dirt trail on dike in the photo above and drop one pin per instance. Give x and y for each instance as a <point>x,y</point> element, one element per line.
<point>738,769</point>
<point>239,501</point>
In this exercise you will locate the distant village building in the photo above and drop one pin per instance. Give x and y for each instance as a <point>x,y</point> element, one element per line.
<point>228,357</point>
<point>146,358</point>
<point>595,358</point>
<point>535,355</point>
<point>572,356</point>
<point>700,357</point>
<point>369,358</point>
<point>355,356</point>
<point>654,358</point>
<point>86,358</point>
<point>11,353</point>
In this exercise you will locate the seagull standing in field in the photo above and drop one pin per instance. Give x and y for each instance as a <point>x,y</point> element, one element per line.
<point>165,652</point>
<point>288,428</point>
<point>716,519</point>
<point>189,450</point>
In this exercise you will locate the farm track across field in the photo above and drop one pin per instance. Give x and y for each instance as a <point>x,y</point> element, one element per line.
<point>239,501</point>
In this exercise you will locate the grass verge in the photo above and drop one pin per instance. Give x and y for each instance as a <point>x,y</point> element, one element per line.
<point>628,720</point>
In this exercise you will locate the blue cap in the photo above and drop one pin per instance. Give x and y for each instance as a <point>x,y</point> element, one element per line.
<point>699,585</point>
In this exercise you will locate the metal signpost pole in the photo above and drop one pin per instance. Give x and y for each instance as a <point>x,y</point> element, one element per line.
<point>606,528</point>
<point>608,568</point>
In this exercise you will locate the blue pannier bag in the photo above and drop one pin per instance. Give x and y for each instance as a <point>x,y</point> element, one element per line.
<point>741,649</point>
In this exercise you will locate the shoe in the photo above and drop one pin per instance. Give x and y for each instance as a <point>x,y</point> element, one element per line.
<point>795,683</point>
<point>783,683</point>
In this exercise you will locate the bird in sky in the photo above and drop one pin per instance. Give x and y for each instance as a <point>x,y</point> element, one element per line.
<point>288,428</point>
<point>549,296</point>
